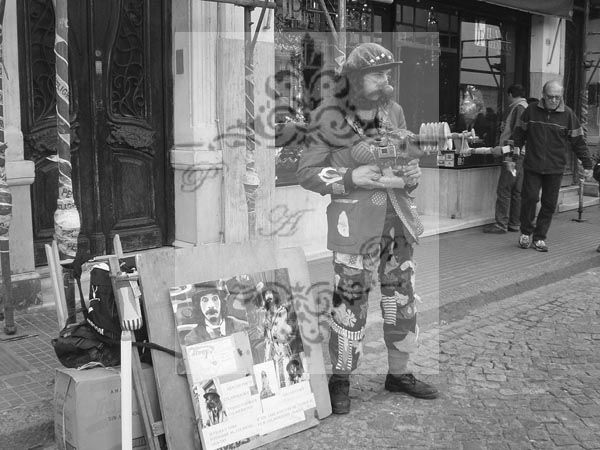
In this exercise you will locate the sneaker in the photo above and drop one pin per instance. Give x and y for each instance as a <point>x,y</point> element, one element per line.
<point>524,241</point>
<point>339,388</point>
<point>514,229</point>
<point>408,384</point>
<point>540,245</point>
<point>494,229</point>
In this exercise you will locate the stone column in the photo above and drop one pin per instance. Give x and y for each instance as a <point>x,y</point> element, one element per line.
<point>20,173</point>
<point>196,160</point>
<point>547,52</point>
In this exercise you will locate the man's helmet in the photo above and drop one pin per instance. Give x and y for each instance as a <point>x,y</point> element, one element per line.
<point>368,57</point>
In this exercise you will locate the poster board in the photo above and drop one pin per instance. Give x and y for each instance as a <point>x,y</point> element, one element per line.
<point>165,268</point>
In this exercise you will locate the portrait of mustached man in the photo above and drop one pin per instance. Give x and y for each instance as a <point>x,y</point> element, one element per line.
<point>209,302</point>
<point>372,220</point>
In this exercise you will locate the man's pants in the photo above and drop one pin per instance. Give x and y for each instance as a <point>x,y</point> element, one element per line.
<point>392,259</point>
<point>550,185</point>
<point>508,198</point>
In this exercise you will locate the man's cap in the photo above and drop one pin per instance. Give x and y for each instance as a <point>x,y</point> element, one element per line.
<point>210,389</point>
<point>369,57</point>
<point>201,289</point>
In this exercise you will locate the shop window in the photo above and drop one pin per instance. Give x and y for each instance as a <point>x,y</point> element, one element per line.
<point>420,18</point>
<point>443,22</point>
<point>486,71</point>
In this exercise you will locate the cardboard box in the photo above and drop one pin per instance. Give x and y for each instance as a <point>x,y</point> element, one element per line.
<point>87,409</point>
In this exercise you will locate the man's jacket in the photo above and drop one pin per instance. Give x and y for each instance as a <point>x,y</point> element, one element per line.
<point>548,134</point>
<point>355,216</point>
<point>515,111</point>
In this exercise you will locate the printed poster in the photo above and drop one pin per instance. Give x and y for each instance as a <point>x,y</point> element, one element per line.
<point>243,357</point>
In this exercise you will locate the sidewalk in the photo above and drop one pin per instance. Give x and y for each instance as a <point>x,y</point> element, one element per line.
<point>520,373</point>
<point>474,287</point>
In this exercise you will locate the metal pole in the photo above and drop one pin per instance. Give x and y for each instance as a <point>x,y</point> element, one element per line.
<point>583,105</point>
<point>66,217</point>
<point>5,205</point>
<point>341,35</point>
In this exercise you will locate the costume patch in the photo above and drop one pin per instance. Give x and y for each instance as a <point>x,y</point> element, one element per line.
<point>342,226</point>
<point>329,175</point>
<point>410,343</point>
<point>378,198</point>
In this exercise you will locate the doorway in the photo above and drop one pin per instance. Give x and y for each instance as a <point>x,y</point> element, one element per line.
<point>121,120</point>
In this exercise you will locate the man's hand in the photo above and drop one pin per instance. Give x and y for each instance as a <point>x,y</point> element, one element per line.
<point>587,174</point>
<point>367,177</point>
<point>411,172</point>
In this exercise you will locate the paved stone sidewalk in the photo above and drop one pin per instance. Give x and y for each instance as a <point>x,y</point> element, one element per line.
<point>517,374</point>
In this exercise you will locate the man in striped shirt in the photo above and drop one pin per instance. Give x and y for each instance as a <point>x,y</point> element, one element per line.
<point>547,127</point>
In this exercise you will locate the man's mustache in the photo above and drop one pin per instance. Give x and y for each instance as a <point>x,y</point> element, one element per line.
<point>212,311</point>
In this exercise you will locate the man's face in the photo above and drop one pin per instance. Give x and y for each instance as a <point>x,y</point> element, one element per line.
<point>294,371</point>
<point>213,402</point>
<point>210,304</point>
<point>553,96</point>
<point>373,82</point>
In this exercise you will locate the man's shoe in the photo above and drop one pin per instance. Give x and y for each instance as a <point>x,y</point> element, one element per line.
<point>494,229</point>
<point>513,229</point>
<point>408,384</point>
<point>339,389</point>
<point>524,241</point>
<point>540,245</point>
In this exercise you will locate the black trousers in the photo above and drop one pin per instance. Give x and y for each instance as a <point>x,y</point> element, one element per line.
<point>530,194</point>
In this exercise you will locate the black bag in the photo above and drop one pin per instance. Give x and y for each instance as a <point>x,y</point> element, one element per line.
<point>97,338</point>
<point>77,344</point>
<point>102,313</point>
<point>85,342</point>
<point>596,172</point>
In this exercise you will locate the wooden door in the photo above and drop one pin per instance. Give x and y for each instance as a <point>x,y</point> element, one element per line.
<point>121,120</point>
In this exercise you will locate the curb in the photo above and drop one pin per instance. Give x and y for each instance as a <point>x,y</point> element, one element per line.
<point>458,308</point>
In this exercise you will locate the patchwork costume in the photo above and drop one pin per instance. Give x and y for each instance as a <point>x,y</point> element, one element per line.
<point>370,231</point>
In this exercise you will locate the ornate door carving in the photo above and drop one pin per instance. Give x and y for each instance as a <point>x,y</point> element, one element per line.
<point>120,128</point>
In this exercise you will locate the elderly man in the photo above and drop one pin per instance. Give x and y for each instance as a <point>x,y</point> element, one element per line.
<point>547,127</point>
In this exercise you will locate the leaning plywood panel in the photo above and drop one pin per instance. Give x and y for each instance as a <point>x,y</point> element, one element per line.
<point>167,268</point>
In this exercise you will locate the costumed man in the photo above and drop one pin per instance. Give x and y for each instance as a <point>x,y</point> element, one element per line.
<point>278,333</point>
<point>214,406</point>
<point>372,220</point>
<point>213,322</point>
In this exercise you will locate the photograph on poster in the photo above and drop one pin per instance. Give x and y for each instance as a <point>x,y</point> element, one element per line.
<point>243,357</point>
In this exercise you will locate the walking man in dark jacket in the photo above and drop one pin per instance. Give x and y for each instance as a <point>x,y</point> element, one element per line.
<point>546,127</point>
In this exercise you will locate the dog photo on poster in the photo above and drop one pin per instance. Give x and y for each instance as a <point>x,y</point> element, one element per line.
<point>243,357</point>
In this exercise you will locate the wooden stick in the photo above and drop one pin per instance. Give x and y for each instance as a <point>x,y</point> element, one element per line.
<point>131,368</point>
<point>126,392</point>
<point>57,286</point>
<point>117,248</point>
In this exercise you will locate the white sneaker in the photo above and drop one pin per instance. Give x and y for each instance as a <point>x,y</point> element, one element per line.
<point>524,241</point>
